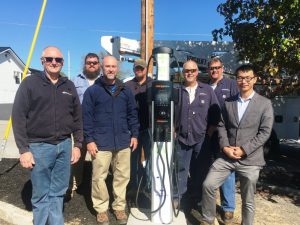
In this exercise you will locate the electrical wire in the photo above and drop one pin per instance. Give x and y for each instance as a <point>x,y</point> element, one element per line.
<point>162,178</point>
<point>174,158</point>
<point>9,169</point>
<point>101,30</point>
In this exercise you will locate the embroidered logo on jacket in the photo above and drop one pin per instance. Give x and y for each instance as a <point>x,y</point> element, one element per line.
<point>66,93</point>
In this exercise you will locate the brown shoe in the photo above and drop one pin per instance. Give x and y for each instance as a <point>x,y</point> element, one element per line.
<point>102,218</point>
<point>227,217</point>
<point>121,216</point>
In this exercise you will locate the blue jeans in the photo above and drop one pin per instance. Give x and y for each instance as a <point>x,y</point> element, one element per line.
<point>137,170</point>
<point>50,179</point>
<point>227,192</point>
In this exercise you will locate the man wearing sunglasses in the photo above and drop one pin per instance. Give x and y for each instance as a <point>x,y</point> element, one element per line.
<point>224,88</point>
<point>90,72</point>
<point>196,115</point>
<point>46,112</point>
<point>247,121</point>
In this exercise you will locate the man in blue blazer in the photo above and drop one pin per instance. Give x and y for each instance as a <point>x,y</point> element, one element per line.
<point>246,125</point>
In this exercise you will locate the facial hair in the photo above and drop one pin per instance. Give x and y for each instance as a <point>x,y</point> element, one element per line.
<point>91,75</point>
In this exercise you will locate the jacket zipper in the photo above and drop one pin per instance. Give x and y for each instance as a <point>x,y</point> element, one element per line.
<point>113,114</point>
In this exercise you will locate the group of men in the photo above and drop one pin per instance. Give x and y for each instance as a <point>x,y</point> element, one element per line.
<point>110,120</point>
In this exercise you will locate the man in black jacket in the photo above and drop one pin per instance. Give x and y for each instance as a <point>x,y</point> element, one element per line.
<point>139,85</point>
<point>111,128</point>
<point>46,112</point>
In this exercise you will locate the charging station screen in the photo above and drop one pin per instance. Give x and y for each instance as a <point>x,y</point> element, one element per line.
<point>162,96</point>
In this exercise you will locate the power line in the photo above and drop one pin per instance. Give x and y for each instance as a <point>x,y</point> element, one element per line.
<point>106,31</point>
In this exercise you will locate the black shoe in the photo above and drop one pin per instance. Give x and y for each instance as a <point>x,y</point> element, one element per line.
<point>131,193</point>
<point>69,195</point>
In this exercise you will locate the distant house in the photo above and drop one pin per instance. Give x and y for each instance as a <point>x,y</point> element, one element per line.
<point>11,69</point>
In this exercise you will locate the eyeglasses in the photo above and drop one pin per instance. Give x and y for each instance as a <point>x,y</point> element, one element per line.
<point>91,63</point>
<point>247,79</point>
<point>215,67</point>
<point>50,59</point>
<point>189,70</point>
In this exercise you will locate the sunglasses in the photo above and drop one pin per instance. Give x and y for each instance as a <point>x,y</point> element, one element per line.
<point>215,67</point>
<point>189,70</point>
<point>50,59</point>
<point>91,63</point>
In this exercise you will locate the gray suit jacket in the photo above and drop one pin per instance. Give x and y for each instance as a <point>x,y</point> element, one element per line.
<point>251,133</point>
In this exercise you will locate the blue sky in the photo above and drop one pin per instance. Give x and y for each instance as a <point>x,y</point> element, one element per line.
<point>78,25</point>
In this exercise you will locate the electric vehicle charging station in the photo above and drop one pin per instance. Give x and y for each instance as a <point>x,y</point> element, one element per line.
<point>162,109</point>
<point>161,96</point>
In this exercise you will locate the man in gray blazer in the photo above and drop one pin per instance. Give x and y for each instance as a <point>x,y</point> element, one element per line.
<point>246,125</point>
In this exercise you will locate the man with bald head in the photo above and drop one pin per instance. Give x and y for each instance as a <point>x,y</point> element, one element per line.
<point>195,117</point>
<point>111,128</point>
<point>46,112</point>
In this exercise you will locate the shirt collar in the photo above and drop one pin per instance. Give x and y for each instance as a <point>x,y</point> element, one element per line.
<point>192,88</point>
<point>247,99</point>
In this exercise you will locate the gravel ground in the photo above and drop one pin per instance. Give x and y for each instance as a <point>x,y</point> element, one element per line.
<point>277,198</point>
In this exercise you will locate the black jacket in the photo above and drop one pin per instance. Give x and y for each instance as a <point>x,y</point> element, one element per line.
<point>140,94</point>
<point>44,112</point>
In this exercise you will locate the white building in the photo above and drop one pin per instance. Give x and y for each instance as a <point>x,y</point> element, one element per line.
<point>287,117</point>
<point>11,69</point>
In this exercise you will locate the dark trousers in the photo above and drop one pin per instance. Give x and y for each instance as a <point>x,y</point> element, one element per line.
<point>199,167</point>
<point>137,170</point>
<point>186,157</point>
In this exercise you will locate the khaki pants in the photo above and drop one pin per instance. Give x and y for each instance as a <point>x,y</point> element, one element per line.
<point>120,162</point>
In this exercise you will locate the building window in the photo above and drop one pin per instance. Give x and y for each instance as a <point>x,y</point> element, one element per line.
<point>17,77</point>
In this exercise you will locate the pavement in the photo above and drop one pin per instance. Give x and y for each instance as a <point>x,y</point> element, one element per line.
<point>9,213</point>
<point>10,151</point>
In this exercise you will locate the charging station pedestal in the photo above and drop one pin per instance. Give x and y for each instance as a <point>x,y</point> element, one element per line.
<point>162,150</point>
<point>162,112</point>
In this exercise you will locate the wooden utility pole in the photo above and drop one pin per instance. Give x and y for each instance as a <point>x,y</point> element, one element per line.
<point>143,29</point>
<point>147,31</point>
